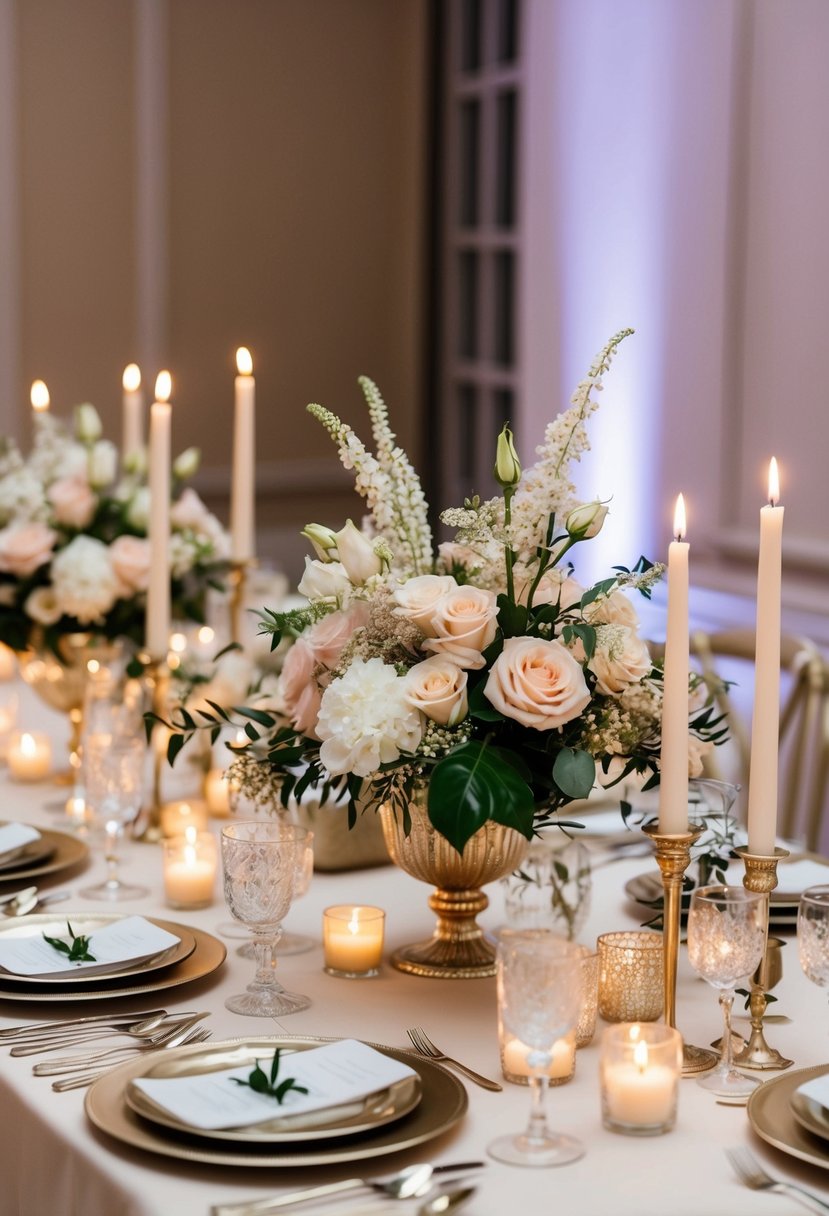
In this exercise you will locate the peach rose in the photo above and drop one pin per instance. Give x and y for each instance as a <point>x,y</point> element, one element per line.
<point>419,596</point>
<point>620,658</point>
<point>130,557</point>
<point>615,609</point>
<point>463,624</point>
<point>300,691</point>
<point>537,683</point>
<point>328,637</point>
<point>437,686</point>
<point>73,503</point>
<point>25,547</point>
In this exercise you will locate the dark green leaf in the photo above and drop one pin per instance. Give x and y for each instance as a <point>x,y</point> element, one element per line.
<point>473,784</point>
<point>574,772</point>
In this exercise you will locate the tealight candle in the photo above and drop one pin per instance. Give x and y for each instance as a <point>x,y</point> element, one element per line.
<point>217,793</point>
<point>190,864</point>
<point>514,1056</point>
<point>640,1070</point>
<point>8,721</point>
<point>177,817</point>
<point>353,940</point>
<point>29,756</point>
<point>8,663</point>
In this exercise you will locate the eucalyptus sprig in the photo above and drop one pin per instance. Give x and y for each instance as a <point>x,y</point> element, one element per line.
<point>78,952</point>
<point>258,1081</point>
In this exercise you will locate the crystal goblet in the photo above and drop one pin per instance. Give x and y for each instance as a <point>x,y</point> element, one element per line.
<point>539,996</point>
<point>726,938</point>
<point>293,943</point>
<point>114,768</point>
<point>813,934</point>
<point>260,860</point>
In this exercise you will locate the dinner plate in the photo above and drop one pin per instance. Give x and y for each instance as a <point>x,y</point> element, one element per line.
<point>86,923</point>
<point>207,956</point>
<point>811,1114</point>
<point>443,1102</point>
<point>646,889</point>
<point>62,851</point>
<point>26,856</point>
<point>771,1115</point>
<point>383,1106</point>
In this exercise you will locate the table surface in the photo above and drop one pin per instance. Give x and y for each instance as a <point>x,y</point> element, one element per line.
<point>54,1161</point>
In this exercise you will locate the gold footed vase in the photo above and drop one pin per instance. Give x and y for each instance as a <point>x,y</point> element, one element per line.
<point>458,948</point>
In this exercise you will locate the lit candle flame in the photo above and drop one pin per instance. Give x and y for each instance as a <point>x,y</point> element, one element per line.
<point>190,832</point>
<point>774,483</point>
<point>206,635</point>
<point>244,362</point>
<point>39,396</point>
<point>163,386</point>
<point>354,923</point>
<point>640,1055</point>
<point>680,525</point>
<point>178,643</point>
<point>28,747</point>
<point>131,378</point>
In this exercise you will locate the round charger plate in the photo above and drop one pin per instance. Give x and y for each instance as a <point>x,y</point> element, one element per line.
<point>772,1116</point>
<point>443,1103</point>
<point>383,1106</point>
<point>86,923</point>
<point>810,1114</point>
<point>61,852</point>
<point>26,856</point>
<point>208,955</point>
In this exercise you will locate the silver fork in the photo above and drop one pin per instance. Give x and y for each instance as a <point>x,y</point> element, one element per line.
<point>750,1172</point>
<point>424,1046</point>
<point>168,1035</point>
<point>79,1080</point>
<point>144,1029</point>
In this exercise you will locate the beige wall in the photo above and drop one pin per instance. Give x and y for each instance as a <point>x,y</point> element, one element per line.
<point>277,185</point>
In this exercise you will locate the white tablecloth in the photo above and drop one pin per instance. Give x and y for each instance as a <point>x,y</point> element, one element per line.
<point>55,1164</point>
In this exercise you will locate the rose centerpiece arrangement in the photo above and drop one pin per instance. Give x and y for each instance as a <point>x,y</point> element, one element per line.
<point>472,691</point>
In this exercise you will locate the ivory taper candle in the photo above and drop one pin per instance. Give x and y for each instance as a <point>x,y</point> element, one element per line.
<point>673,781</point>
<point>132,416</point>
<point>244,464</point>
<point>158,592</point>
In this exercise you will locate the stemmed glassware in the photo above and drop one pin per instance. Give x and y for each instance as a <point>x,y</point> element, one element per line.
<point>293,943</point>
<point>261,860</point>
<point>813,934</point>
<point>726,938</point>
<point>539,997</point>
<point>114,768</point>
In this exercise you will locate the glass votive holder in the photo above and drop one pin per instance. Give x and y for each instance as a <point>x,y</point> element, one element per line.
<point>190,866</point>
<point>639,1074</point>
<point>631,972</point>
<point>352,940</point>
<point>177,817</point>
<point>514,1056</point>
<point>29,755</point>
<point>8,721</point>
<point>586,1025</point>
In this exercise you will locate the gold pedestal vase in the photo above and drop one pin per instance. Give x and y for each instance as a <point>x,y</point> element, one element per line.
<point>458,948</point>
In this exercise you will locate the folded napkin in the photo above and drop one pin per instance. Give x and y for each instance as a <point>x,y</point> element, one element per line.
<point>130,940</point>
<point>15,836</point>
<point>794,877</point>
<point>817,1090</point>
<point>334,1075</point>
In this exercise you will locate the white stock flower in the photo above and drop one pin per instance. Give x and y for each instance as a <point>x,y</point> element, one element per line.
<point>21,495</point>
<point>620,658</point>
<point>365,719</point>
<point>84,581</point>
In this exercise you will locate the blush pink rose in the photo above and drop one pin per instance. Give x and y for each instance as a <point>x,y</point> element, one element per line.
<point>25,547</point>
<point>299,688</point>
<point>463,624</point>
<point>537,683</point>
<point>328,637</point>
<point>73,502</point>
<point>437,687</point>
<point>130,558</point>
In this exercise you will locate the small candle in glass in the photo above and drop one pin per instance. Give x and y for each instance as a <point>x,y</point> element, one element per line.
<point>640,1069</point>
<point>217,793</point>
<point>190,864</point>
<point>177,817</point>
<point>631,986</point>
<point>514,1056</point>
<point>8,721</point>
<point>352,938</point>
<point>29,755</point>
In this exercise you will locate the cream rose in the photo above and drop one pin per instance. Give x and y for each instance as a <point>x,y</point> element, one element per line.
<point>554,588</point>
<point>437,686</point>
<point>419,596</point>
<point>328,637</point>
<point>615,609</point>
<point>130,558</point>
<point>42,606</point>
<point>537,683</point>
<point>620,658</point>
<point>25,547</point>
<point>463,624</point>
<point>73,502</point>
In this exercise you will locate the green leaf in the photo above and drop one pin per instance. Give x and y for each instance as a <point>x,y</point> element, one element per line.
<point>275,1065</point>
<point>473,784</point>
<point>512,618</point>
<point>56,944</point>
<point>258,1081</point>
<point>174,745</point>
<point>258,715</point>
<point>480,707</point>
<point>574,772</point>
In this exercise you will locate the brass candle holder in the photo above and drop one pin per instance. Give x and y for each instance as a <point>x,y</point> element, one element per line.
<point>237,578</point>
<point>673,856</point>
<point>760,875</point>
<point>157,683</point>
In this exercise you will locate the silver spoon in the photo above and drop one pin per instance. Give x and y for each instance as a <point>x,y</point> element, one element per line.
<point>28,901</point>
<point>446,1201</point>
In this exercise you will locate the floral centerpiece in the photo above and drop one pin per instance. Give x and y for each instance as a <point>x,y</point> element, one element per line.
<point>483,671</point>
<point>74,553</point>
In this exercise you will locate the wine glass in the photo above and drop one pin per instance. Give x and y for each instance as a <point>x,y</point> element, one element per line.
<point>114,768</point>
<point>539,997</point>
<point>261,860</point>
<point>726,940</point>
<point>293,943</point>
<point>813,934</point>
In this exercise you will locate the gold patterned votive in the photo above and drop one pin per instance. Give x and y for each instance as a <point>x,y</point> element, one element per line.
<point>586,1025</point>
<point>631,987</point>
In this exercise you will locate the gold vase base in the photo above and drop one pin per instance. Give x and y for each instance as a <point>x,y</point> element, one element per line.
<point>447,959</point>
<point>697,1059</point>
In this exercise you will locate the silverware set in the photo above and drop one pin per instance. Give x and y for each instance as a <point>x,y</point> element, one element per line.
<point>751,1173</point>
<point>21,903</point>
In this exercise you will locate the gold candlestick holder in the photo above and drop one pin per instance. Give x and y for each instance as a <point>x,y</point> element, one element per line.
<point>157,683</point>
<point>761,876</point>
<point>673,856</point>
<point>238,578</point>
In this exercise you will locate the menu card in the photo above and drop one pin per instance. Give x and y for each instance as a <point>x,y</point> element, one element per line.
<point>15,836</point>
<point>334,1075</point>
<point>129,940</point>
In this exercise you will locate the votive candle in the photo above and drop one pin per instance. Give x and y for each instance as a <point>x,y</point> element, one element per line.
<point>29,756</point>
<point>640,1070</point>
<point>514,1057</point>
<point>177,817</point>
<point>353,940</point>
<point>190,865</point>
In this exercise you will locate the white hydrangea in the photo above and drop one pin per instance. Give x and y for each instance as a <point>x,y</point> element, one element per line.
<point>85,584</point>
<point>365,719</point>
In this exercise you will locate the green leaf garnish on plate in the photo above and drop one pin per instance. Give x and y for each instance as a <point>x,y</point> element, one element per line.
<point>258,1081</point>
<point>77,952</point>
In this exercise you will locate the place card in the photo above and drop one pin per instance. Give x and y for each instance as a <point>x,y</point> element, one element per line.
<point>14,837</point>
<point>334,1074</point>
<point>130,940</point>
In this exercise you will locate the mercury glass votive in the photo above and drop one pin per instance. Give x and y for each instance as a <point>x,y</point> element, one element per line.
<point>586,1025</point>
<point>352,940</point>
<point>631,987</point>
<point>639,1074</point>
